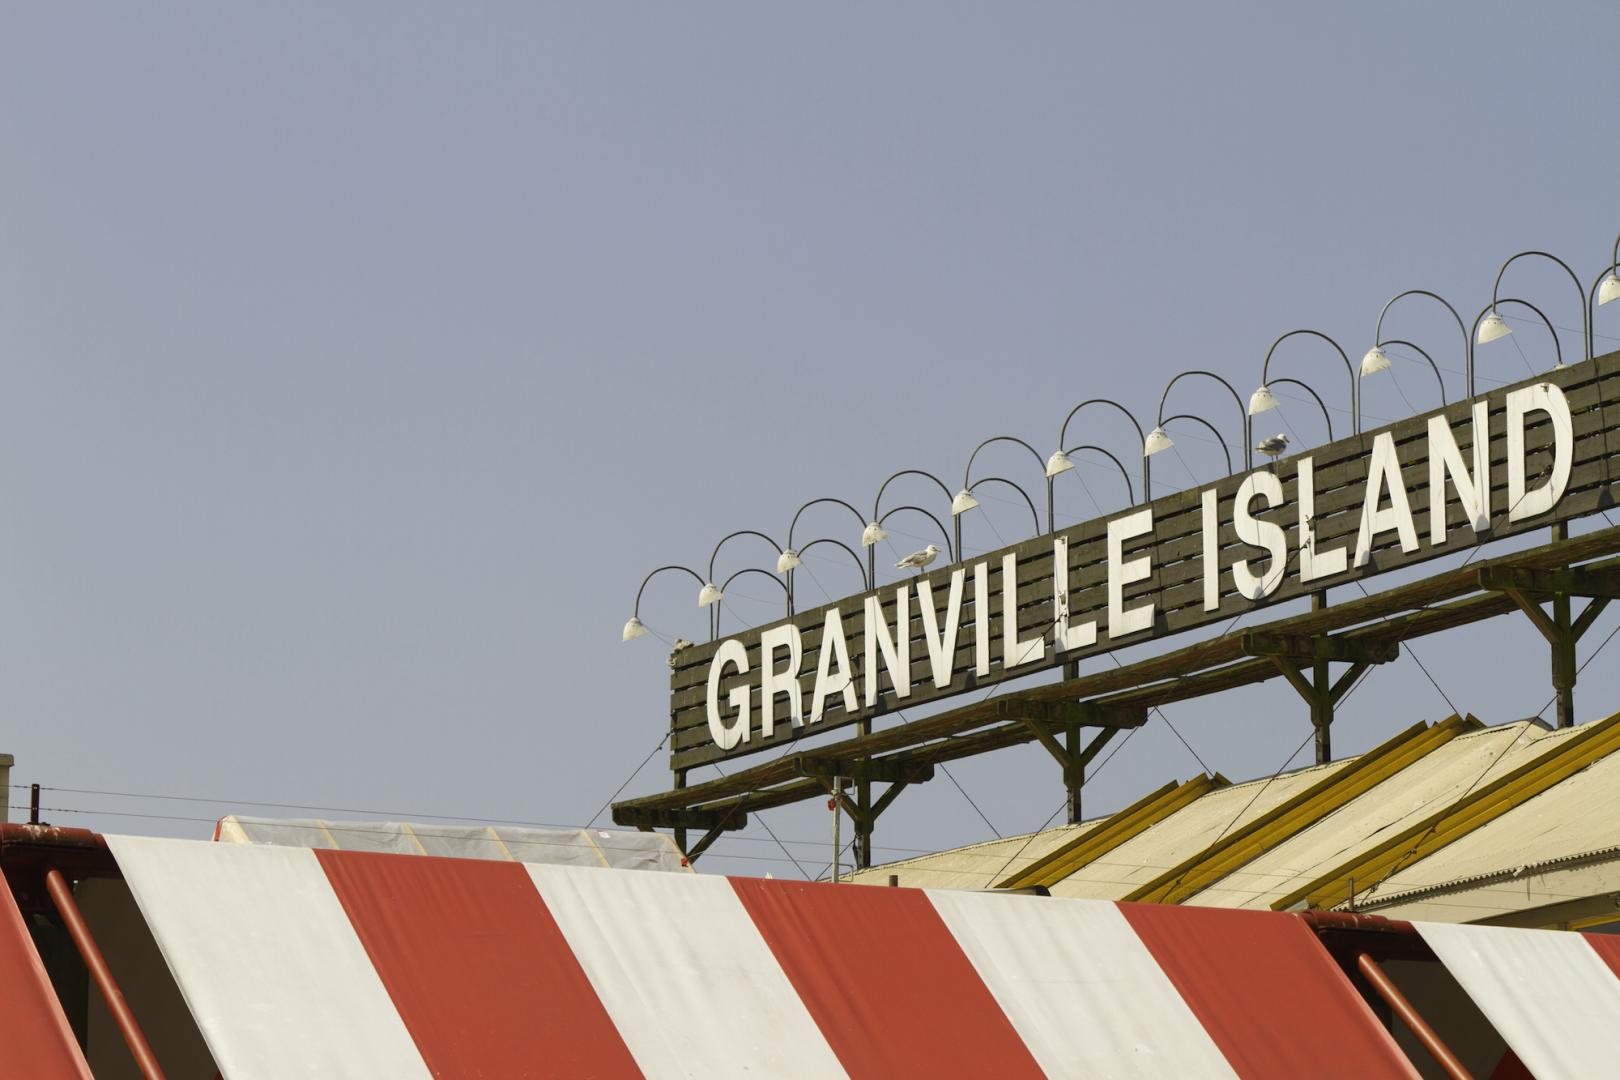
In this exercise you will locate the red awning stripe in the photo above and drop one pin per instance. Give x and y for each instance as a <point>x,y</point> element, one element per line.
<point>885,981</point>
<point>1267,993</point>
<point>35,1039</point>
<point>477,967</point>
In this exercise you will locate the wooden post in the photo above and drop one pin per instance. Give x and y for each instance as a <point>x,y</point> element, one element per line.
<point>1074,771</point>
<point>1563,660</point>
<point>1322,703</point>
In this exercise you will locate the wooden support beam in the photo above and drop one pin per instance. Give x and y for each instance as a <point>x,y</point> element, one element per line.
<point>1312,648</point>
<point>727,820</point>
<point>862,769</point>
<point>1572,581</point>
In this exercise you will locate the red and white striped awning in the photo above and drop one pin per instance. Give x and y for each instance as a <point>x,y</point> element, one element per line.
<point>349,964</point>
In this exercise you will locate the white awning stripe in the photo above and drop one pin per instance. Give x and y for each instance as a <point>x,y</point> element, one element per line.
<point>685,975</point>
<point>1549,994</point>
<point>1080,988</point>
<point>268,962</point>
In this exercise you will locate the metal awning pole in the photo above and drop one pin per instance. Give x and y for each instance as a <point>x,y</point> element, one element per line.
<point>62,895</point>
<point>1411,1018</point>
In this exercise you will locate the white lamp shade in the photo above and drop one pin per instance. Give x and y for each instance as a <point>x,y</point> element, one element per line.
<point>1609,289</point>
<point>1058,463</point>
<point>709,594</point>
<point>633,629</point>
<point>788,560</point>
<point>963,502</point>
<point>1156,441</point>
<point>1493,328</point>
<point>1262,400</point>
<point>873,534</point>
<point>1375,361</point>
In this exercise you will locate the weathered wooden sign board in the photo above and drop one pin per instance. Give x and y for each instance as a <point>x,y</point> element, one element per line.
<point>1345,511</point>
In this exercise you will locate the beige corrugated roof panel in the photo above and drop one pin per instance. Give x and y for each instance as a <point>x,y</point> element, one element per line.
<point>1574,820</point>
<point>1435,780</point>
<point>1140,860</point>
<point>977,866</point>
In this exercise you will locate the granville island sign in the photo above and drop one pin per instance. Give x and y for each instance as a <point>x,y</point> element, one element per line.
<point>1508,461</point>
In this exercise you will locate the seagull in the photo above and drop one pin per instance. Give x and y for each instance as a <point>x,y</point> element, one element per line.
<point>681,644</point>
<point>1273,447</point>
<point>918,559</point>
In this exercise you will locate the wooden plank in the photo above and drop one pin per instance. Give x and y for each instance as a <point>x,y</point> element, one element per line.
<point>862,769</point>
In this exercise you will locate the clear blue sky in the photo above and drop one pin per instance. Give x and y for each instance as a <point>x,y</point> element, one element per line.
<point>358,360</point>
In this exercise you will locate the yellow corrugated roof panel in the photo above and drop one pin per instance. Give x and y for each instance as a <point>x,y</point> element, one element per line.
<point>977,866</point>
<point>1484,801</point>
<point>1111,833</point>
<point>1434,780</point>
<point>1574,817</point>
<point>1184,834</point>
<point>1238,846</point>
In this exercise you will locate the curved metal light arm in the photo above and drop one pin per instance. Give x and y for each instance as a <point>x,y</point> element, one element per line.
<point>1327,416</point>
<point>1063,432</point>
<point>751,570</point>
<point>943,531</point>
<point>1558,349</point>
<point>1468,342</point>
<point>1212,430</point>
<point>1580,295</point>
<point>795,523</point>
<point>1003,480</point>
<point>967,473</point>
<point>695,577</point>
<point>1380,343</point>
<point>1141,437</point>
<point>878,502</point>
<point>1355,393</point>
<point>1243,414</point>
<point>775,547</point>
<point>852,554</point>
<point>1130,492</point>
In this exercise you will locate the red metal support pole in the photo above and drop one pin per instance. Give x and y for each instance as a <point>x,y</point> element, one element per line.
<point>62,895</point>
<point>1411,1018</point>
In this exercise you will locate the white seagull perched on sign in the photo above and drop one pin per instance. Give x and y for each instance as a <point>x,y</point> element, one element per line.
<point>918,559</point>
<point>1273,447</point>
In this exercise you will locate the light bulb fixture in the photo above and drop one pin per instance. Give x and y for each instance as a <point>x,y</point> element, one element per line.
<point>788,560</point>
<point>1609,289</point>
<point>1058,463</point>
<point>1156,441</point>
<point>710,594</point>
<point>633,629</point>
<point>1375,360</point>
<point>1493,328</point>
<point>873,534</point>
<point>1262,400</point>
<point>963,502</point>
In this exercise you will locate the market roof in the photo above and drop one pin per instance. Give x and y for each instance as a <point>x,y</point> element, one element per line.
<point>307,962</point>
<point>1431,810</point>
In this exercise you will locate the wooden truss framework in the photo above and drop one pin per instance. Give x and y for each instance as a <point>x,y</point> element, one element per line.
<point>1362,632</point>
